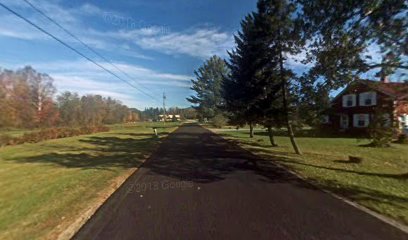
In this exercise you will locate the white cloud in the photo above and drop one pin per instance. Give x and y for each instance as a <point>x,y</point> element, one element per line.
<point>69,18</point>
<point>83,67</point>
<point>11,26</point>
<point>201,42</point>
<point>89,9</point>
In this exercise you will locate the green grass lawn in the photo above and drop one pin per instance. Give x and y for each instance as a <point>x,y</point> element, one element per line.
<point>46,186</point>
<point>15,132</point>
<point>380,182</point>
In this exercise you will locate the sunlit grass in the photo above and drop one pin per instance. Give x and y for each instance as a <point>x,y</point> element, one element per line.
<point>46,186</point>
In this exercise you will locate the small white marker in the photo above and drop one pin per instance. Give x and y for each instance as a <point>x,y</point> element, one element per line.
<point>198,188</point>
<point>141,196</point>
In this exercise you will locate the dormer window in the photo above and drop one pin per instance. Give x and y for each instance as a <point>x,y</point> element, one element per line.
<point>349,100</point>
<point>368,99</point>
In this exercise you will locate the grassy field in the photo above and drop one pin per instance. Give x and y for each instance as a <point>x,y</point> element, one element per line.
<point>15,132</point>
<point>45,186</point>
<point>379,182</point>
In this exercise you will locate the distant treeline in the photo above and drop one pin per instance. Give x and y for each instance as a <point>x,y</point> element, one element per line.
<point>27,100</point>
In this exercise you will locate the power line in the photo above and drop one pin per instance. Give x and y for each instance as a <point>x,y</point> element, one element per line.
<point>72,48</point>
<point>79,40</point>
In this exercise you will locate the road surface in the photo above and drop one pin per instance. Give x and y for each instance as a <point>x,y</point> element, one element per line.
<point>199,186</point>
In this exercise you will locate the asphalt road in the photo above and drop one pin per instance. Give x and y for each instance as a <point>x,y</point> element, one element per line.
<point>199,186</point>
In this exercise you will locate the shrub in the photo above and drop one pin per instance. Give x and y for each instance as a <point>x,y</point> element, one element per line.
<point>50,133</point>
<point>403,139</point>
<point>219,121</point>
<point>380,129</point>
<point>5,140</point>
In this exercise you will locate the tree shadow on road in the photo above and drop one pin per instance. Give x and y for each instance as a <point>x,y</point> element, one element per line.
<point>205,157</point>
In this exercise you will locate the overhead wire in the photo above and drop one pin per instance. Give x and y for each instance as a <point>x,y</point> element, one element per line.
<point>79,40</point>
<point>73,49</point>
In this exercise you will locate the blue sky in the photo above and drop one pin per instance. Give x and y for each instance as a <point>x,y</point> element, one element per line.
<point>159,43</point>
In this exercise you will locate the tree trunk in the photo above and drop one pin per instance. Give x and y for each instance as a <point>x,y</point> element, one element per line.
<point>285,105</point>
<point>271,138</point>
<point>251,130</point>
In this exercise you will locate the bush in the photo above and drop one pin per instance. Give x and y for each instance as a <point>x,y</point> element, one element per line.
<point>5,140</point>
<point>219,121</point>
<point>380,130</point>
<point>403,139</point>
<point>50,133</point>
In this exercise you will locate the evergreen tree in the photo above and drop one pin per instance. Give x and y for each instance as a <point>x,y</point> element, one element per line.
<point>240,86</point>
<point>279,31</point>
<point>207,86</point>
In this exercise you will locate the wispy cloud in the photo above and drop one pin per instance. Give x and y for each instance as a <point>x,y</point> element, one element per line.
<point>200,42</point>
<point>82,67</point>
<point>72,19</point>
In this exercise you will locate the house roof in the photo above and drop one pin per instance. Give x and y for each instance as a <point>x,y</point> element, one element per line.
<point>398,90</point>
<point>394,89</point>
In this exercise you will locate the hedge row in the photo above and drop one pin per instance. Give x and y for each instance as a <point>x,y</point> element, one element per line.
<point>50,133</point>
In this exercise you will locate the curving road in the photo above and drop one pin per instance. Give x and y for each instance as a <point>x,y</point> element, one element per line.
<point>199,186</point>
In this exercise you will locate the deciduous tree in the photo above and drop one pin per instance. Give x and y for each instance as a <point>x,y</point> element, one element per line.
<point>348,39</point>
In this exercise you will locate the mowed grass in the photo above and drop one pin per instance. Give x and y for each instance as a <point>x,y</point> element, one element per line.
<point>379,182</point>
<point>46,186</point>
<point>15,132</point>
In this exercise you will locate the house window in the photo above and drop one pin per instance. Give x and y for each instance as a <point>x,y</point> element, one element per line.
<point>349,100</point>
<point>361,120</point>
<point>368,99</point>
<point>344,121</point>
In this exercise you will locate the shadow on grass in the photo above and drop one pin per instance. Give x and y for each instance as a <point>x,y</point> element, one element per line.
<point>141,134</point>
<point>367,195</point>
<point>269,152</point>
<point>346,162</point>
<point>107,152</point>
<point>280,157</point>
<point>403,176</point>
<point>357,193</point>
<point>309,133</point>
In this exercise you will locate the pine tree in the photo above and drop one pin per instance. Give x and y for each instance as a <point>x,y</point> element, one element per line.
<point>279,30</point>
<point>240,89</point>
<point>207,86</point>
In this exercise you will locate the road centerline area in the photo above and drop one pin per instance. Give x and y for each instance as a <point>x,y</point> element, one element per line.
<point>199,186</point>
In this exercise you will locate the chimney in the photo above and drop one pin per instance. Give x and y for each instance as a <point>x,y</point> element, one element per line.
<point>384,78</point>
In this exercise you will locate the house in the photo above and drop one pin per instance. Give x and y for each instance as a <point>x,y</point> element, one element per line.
<point>354,108</point>
<point>169,118</point>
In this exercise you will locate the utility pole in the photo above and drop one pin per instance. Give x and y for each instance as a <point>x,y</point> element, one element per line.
<point>164,107</point>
